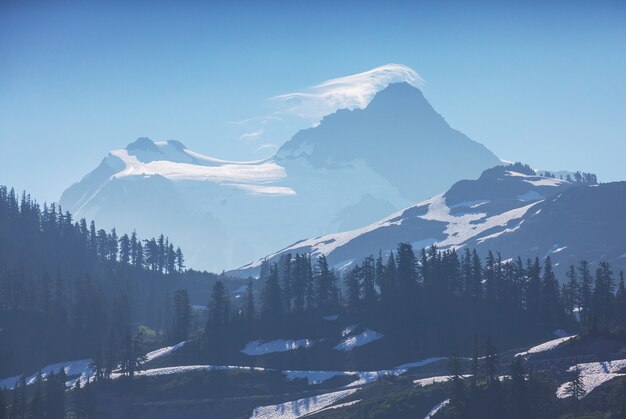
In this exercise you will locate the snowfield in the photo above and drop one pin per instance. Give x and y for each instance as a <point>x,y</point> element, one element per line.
<point>187,368</point>
<point>156,354</point>
<point>594,374</point>
<point>361,339</point>
<point>459,228</point>
<point>248,176</point>
<point>546,346</point>
<point>437,408</point>
<point>423,382</point>
<point>301,407</point>
<point>257,347</point>
<point>81,368</point>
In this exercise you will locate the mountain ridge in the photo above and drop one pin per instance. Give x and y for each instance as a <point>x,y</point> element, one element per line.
<point>353,168</point>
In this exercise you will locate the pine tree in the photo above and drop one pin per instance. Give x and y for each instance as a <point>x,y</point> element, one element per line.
<point>572,291</point>
<point>271,300</point>
<point>18,407</point>
<point>603,297</point>
<point>458,399</point>
<point>180,260</point>
<point>550,295</point>
<point>250,310</point>
<point>37,409</point>
<point>519,393</point>
<point>491,362</point>
<point>55,395</point>
<point>584,299</point>
<point>285,266</point>
<point>182,316</point>
<point>369,282</point>
<point>3,405</point>
<point>326,287</point>
<point>125,251</point>
<point>353,285</point>
<point>134,249</point>
<point>576,388</point>
<point>160,253</point>
<point>620,303</point>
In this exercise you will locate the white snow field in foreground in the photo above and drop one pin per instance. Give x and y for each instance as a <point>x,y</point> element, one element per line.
<point>80,368</point>
<point>257,347</point>
<point>546,346</point>
<point>436,409</point>
<point>361,339</point>
<point>297,408</point>
<point>187,368</point>
<point>436,379</point>
<point>158,353</point>
<point>594,374</point>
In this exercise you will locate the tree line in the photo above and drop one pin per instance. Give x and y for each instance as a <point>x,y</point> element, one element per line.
<point>426,302</point>
<point>69,290</point>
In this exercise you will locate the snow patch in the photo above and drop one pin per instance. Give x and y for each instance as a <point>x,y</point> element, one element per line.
<point>79,368</point>
<point>151,356</point>
<point>437,408</point>
<point>546,346</point>
<point>423,382</point>
<point>298,408</point>
<point>257,347</point>
<point>361,339</point>
<point>594,374</point>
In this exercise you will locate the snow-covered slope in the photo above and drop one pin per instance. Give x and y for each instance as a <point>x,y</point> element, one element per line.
<point>471,212</point>
<point>509,209</point>
<point>353,168</point>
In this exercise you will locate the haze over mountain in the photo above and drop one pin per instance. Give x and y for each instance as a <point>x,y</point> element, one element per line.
<point>509,209</point>
<point>353,168</point>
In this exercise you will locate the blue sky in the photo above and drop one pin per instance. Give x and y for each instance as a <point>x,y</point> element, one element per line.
<point>534,82</point>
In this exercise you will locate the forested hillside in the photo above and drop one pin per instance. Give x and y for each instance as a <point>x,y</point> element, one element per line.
<point>69,290</point>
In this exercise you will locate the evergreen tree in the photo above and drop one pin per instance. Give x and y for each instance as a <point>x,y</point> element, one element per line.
<point>286,268</point>
<point>55,395</point>
<point>550,295</point>
<point>603,297</point>
<point>180,260</point>
<point>353,288</point>
<point>458,399</point>
<point>572,291</point>
<point>37,409</point>
<point>182,316</point>
<point>491,362</point>
<point>620,303</point>
<point>125,251</point>
<point>370,296</point>
<point>250,310</point>
<point>271,300</point>
<point>576,388</point>
<point>584,299</point>
<point>18,407</point>
<point>326,287</point>
<point>3,405</point>
<point>217,307</point>
<point>520,402</point>
<point>134,249</point>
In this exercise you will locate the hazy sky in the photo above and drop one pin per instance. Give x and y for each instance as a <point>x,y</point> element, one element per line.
<point>542,84</point>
